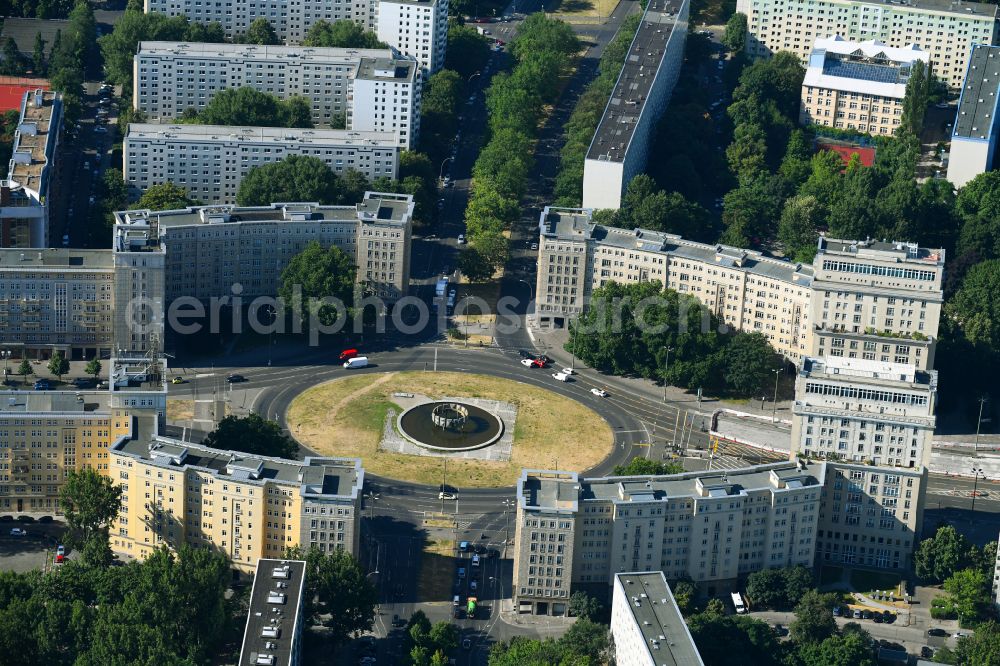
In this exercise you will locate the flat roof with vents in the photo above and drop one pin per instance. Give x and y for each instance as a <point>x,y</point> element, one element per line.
<point>654,612</point>
<point>977,107</point>
<point>274,624</point>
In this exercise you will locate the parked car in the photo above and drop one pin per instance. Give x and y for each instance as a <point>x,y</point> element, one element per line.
<point>65,240</point>
<point>836,611</point>
<point>18,532</point>
<point>927,652</point>
<point>45,519</point>
<point>466,644</point>
<point>398,621</point>
<point>866,614</point>
<point>42,385</point>
<point>461,239</point>
<point>461,573</point>
<point>84,382</point>
<point>857,614</point>
<point>101,129</point>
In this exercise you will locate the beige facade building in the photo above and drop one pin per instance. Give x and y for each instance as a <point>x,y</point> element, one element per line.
<point>854,85</point>
<point>713,527</point>
<point>213,248</point>
<point>44,435</point>
<point>743,288</point>
<point>24,194</point>
<point>247,507</point>
<point>945,30</point>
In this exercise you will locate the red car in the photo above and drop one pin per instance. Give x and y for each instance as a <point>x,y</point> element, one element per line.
<point>348,354</point>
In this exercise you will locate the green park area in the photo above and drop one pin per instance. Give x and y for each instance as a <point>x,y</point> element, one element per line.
<point>345,417</point>
<point>570,9</point>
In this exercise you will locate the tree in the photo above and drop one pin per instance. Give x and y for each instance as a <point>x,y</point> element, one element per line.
<point>848,649</point>
<point>261,32</point>
<point>766,589</point>
<point>252,434</point>
<point>58,365</point>
<point>915,99</point>
<point>295,178</point>
<point>539,33</point>
<point>942,555</point>
<point>319,274</point>
<point>467,51</point>
<point>800,219</point>
<point>814,621</point>
<point>749,360</point>
<point>25,369</point>
<point>583,605</point>
<point>11,59</point>
<point>685,592</point>
<point>336,587</point>
<point>970,592</point>
<point>38,55</point>
<point>644,467</point>
<point>342,34</point>
<point>493,247</point>
<point>244,106</point>
<point>90,501</point>
<point>474,265</point>
<point>978,208</point>
<point>981,648</point>
<point>735,37</point>
<point>93,367</point>
<point>297,112</point>
<point>720,637</point>
<point>976,306</point>
<point>164,196</point>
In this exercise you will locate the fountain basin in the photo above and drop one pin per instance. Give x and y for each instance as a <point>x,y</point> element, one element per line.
<point>450,426</point>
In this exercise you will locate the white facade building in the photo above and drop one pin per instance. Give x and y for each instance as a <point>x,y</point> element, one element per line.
<point>642,92</point>
<point>974,136</point>
<point>210,161</point>
<point>996,579</point>
<point>24,207</point>
<point>944,29</point>
<point>857,85</point>
<point>418,28</point>
<point>172,77</point>
<point>647,627</point>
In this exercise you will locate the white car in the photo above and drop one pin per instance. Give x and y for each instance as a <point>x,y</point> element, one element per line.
<point>65,240</point>
<point>446,496</point>
<point>568,371</point>
<point>461,239</point>
<point>600,393</point>
<point>527,362</point>
<point>101,129</point>
<point>561,376</point>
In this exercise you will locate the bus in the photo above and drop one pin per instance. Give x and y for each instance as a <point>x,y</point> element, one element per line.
<point>738,603</point>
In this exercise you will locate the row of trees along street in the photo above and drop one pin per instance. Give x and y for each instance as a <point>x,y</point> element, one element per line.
<point>543,52</point>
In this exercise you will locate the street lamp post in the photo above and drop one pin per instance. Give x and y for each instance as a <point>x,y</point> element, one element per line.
<point>6,357</point>
<point>508,504</point>
<point>774,407</point>
<point>979,423</point>
<point>666,361</point>
<point>976,472</point>
<point>441,170</point>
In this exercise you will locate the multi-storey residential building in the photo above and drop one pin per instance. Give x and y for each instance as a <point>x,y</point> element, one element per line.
<point>944,29</point>
<point>248,507</point>
<point>996,579</point>
<point>341,84</point>
<point>974,136</point>
<point>213,248</point>
<point>418,28</point>
<point>24,195</point>
<point>210,161</point>
<point>140,284</point>
<point>621,143</point>
<point>57,300</point>
<point>870,516</point>
<point>273,634</point>
<point>743,288</point>
<point>44,435</point>
<point>857,85</point>
<point>710,526</point>
<point>647,627</point>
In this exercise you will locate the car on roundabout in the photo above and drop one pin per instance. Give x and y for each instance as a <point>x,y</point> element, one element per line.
<point>177,380</point>
<point>235,379</point>
<point>560,376</point>
<point>532,363</point>
<point>446,496</point>
<point>568,371</point>
<point>599,392</point>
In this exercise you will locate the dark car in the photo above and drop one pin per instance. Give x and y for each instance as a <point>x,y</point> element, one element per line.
<point>25,519</point>
<point>877,617</point>
<point>888,617</point>
<point>84,382</point>
<point>525,354</point>
<point>45,519</point>
<point>480,549</point>
<point>866,614</point>
<point>926,652</point>
<point>937,631</point>
<point>235,379</point>
<point>398,621</point>
<point>42,385</point>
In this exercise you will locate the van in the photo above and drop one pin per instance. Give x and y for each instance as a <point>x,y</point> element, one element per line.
<point>356,362</point>
<point>348,354</point>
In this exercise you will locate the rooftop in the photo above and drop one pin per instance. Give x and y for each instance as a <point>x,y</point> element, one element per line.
<point>868,67</point>
<point>627,101</point>
<point>273,619</point>
<point>279,135</point>
<point>56,259</point>
<point>94,402</point>
<point>658,619</point>
<point>977,106</point>
<point>562,490</point>
<point>260,52</point>
<point>944,6</point>
<point>884,250</point>
<point>385,207</point>
<point>858,370</point>
<point>315,477</point>
<point>387,68</point>
<point>131,374</point>
<point>33,142</point>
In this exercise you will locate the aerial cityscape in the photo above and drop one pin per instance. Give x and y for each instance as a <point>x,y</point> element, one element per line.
<point>476,332</point>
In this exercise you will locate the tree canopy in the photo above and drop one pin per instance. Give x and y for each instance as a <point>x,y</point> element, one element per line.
<point>778,588</point>
<point>342,34</point>
<point>584,644</point>
<point>940,556</point>
<point>317,273</point>
<point>467,52</point>
<point>294,178</point>
<point>90,502</point>
<point>261,32</point>
<point>644,466</point>
<point>252,434</point>
<point>164,196</point>
<point>338,594</point>
<point>250,107</point>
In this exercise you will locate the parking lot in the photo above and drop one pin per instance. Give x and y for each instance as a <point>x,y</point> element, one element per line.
<point>32,551</point>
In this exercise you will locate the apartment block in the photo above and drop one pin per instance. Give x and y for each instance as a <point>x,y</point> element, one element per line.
<point>24,194</point>
<point>342,84</point>
<point>857,85</point>
<point>974,135</point>
<point>712,526</point>
<point>944,29</point>
<point>870,516</point>
<point>214,248</point>
<point>273,634</point>
<point>45,435</point>
<point>140,287</point>
<point>642,92</point>
<point>418,28</point>
<point>743,288</point>
<point>248,507</point>
<point>647,627</point>
<point>996,579</point>
<point>210,161</point>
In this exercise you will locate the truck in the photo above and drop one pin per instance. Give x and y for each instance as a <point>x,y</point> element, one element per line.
<point>738,603</point>
<point>470,608</point>
<point>481,30</point>
<point>441,288</point>
<point>356,362</point>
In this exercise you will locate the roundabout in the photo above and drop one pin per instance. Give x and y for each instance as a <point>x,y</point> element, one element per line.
<point>353,415</point>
